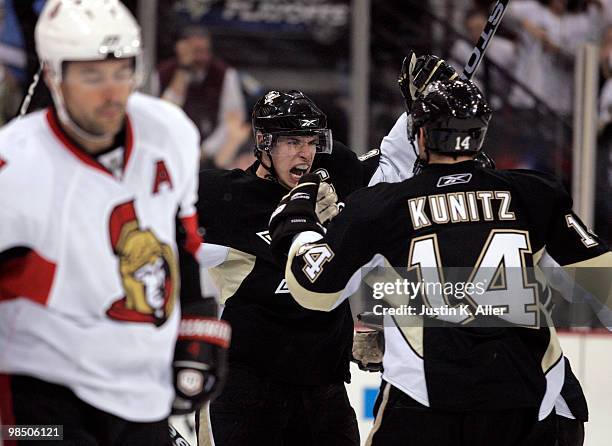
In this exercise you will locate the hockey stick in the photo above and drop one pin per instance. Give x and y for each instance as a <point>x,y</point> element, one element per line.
<point>485,39</point>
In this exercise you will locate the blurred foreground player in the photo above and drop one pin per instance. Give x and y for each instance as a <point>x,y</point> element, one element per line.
<point>457,384</point>
<point>91,191</point>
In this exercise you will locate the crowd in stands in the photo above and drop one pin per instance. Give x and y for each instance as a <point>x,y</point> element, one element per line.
<point>536,48</point>
<point>210,92</point>
<point>530,62</point>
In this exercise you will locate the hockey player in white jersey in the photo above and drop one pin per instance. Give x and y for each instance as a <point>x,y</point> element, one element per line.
<point>91,261</point>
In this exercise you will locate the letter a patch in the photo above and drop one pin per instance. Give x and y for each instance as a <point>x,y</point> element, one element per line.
<point>161,177</point>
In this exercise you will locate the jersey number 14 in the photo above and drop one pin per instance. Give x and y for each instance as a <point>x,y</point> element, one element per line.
<point>500,278</point>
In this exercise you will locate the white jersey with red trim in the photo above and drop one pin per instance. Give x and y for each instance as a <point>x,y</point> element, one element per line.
<point>88,263</point>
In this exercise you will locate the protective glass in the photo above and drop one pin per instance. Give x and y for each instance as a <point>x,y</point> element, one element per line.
<point>323,144</point>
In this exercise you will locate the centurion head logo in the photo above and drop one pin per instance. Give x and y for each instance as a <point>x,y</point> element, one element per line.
<point>148,270</point>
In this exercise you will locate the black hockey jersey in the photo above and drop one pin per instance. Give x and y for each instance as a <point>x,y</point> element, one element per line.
<point>270,331</point>
<point>458,215</point>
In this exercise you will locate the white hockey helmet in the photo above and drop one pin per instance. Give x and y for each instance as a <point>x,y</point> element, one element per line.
<point>79,30</point>
<point>84,30</point>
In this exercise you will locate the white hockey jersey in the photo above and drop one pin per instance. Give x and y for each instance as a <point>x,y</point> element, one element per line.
<point>91,300</point>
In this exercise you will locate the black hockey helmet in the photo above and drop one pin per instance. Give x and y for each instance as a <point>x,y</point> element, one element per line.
<point>289,113</point>
<point>454,115</point>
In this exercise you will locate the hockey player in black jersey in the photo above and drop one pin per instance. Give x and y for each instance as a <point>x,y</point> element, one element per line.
<point>452,385</point>
<point>288,365</point>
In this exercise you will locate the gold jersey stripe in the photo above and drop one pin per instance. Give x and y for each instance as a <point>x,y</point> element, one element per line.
<point>379,415</point>
<point>595,276</point>
<point>229,275</point>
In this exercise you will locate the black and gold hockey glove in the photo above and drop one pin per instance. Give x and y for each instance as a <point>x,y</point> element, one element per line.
<point>295,213</point>
<point>418,72</point>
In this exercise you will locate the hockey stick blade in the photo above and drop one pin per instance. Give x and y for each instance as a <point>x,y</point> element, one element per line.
<point>485,39</point>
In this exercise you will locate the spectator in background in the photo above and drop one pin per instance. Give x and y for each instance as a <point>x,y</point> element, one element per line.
<point>18,59</point>
<point>237,152</point>
<point>608,10</point>
<point>14,45</point>
<point>208,90</point>
<point>10,95</point>
<point>547,39</point>
<point>603,206</point>
<point>605,77</point>
<point>605,56</point>
<point>17,38</point>
<point>501,52</point>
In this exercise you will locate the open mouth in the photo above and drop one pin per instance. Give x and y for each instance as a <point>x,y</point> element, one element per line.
<point>298,171</point>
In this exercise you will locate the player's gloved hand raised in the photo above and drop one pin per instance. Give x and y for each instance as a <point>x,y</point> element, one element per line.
<point>294,214</point>
<point>327,203</point>
<point>200,360</point>
<point>418,72</point>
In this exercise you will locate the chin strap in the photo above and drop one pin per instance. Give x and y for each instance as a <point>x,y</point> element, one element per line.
<point>271,175</point>
<point>419,163</point>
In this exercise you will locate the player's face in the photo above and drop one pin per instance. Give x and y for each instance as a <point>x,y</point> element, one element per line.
<point>96,93</point>
<point>292,157</point>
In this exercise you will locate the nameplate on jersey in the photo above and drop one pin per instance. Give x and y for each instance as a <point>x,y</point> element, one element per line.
<point>458,178</point>
<point>460,207</point>
<point>265,236</point>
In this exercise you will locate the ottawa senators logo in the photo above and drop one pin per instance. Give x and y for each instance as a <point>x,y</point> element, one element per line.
<point>148,269</point>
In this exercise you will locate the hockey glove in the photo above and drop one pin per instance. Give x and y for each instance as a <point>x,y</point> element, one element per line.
<point>368,348</point>
<point>327,203</point>
<point>200,360</point>
<point>368,342</point>
<point>418,72</point>
<point>294,214</point>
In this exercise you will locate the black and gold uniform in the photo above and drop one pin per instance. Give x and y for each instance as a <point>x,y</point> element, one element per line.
<point>288,364</point>
<point>458,384</point>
